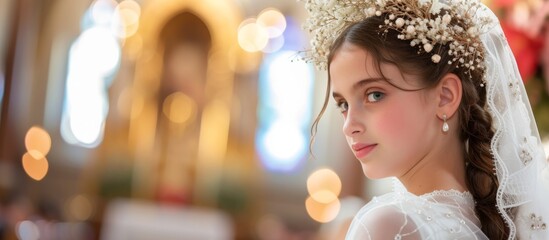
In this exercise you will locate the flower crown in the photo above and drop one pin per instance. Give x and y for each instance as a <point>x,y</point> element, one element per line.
<point>425,23</point>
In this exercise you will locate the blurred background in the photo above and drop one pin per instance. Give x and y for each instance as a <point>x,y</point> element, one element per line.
<point>186,119</point>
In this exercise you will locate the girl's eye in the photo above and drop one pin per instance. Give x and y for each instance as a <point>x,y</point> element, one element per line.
<point>343,106</point>
<point>375,96</point>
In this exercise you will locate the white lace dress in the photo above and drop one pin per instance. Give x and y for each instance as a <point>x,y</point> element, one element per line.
<point>403,215</point>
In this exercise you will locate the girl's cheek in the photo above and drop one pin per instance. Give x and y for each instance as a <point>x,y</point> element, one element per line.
<point>391,122</point>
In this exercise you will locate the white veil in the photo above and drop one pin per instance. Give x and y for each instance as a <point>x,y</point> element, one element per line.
<point>521,165</point>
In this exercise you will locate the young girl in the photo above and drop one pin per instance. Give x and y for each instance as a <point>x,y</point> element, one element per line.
<point>430,94</point>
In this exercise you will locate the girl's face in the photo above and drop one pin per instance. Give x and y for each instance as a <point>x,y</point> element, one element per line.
<point>388,129</point>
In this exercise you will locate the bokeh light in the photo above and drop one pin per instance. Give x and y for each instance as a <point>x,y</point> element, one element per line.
<point>36,168</point>
<point>324,196</point>
<point>102,11</point>
<point>520,14</point>
<point>322,212</point>
<point>273,21</point>
<point>323,185</point>
<point>179,108</point>
<point>27,230</point>
<point>284,111</point>
<point>37,142</point>
<point>87,120</point>
<point>283,146</point>
<point>264,33</point>
<point>130,5</point>
<point>291,84</point>
<point>94,58</point>
<point>252,37</point>
<point>95,52</point>
<point>126,20</point>
<point>80,207</point>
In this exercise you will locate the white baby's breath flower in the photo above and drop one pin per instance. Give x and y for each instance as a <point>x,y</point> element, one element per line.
<point>435,58</point>
<point>410,29</point>
<point>342,13</point>
<point>423,2</point>
<point>330,4</point>
<point>380,3</point>
<point>427,47</point>
<point>370,11</point>
<point>399,22</point>
<point>436,6</point>
<point>473,31</point>
<point>419,21</point>
<point>446,18</point>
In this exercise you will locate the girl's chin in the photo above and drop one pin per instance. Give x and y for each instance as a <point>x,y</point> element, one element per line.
<point>372,173</point>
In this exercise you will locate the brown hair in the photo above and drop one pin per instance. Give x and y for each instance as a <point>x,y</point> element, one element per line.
<point>475,122</point>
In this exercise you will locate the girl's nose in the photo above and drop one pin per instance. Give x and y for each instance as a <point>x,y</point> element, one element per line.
<point>353,123</point>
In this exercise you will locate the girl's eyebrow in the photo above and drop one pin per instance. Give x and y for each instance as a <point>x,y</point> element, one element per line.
<point>359,85</point>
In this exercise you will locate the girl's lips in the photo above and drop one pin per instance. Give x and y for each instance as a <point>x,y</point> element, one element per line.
<point>361,150</point>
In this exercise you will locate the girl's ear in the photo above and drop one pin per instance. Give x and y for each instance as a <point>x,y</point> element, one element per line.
<point>449,92</point>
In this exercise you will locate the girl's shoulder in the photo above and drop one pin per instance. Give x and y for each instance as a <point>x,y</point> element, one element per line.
<point>402,215</point>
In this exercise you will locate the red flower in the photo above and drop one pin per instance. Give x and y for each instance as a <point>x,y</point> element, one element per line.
<point>503,3</point>
<point>526,50</point>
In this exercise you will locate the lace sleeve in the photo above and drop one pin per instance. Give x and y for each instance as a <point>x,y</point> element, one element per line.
<point>402,215</point>
<point>384,222</point>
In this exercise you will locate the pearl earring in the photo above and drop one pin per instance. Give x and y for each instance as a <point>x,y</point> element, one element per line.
<point>445,126</point>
